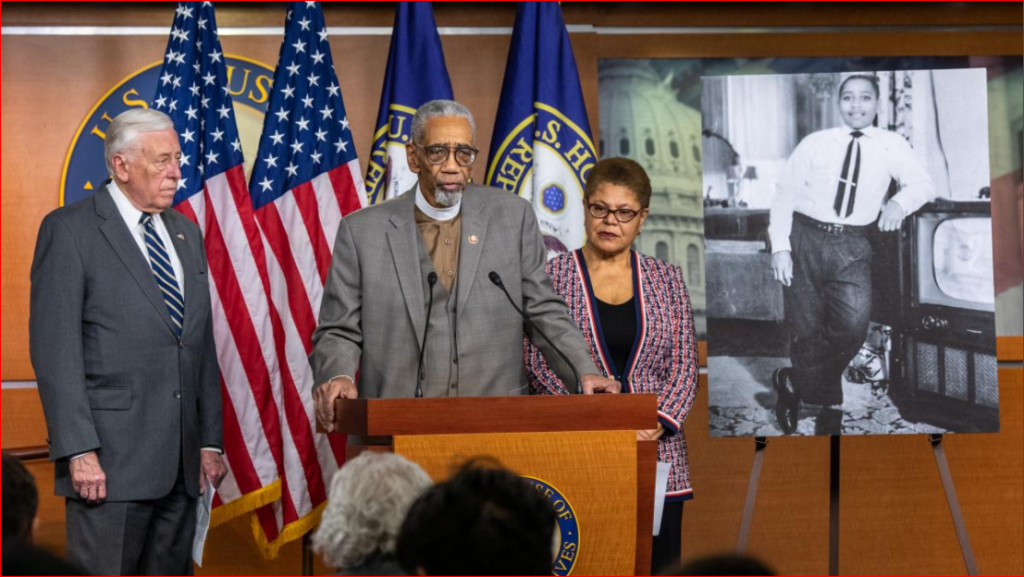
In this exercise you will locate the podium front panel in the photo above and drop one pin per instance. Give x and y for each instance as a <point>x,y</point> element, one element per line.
<point>589,477</point>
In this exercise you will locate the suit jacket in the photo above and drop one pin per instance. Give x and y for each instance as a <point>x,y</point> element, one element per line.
<point>373,312</point>
<point>112,375</point>
<point>664,359</point>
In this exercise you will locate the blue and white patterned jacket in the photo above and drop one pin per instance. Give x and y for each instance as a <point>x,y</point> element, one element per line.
<point>664,356</point>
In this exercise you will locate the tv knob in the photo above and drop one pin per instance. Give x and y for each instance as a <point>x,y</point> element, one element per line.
<point>931,323</point>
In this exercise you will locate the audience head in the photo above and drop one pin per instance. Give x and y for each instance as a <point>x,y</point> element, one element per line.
<point>20,502</point>
<point>368,500</point>
<point>485,520</point>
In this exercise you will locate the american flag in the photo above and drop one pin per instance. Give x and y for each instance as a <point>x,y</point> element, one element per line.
<point>306,178</point>
<point>193,90</point>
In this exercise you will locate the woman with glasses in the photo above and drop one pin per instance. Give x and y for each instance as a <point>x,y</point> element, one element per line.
<point>634,312</point>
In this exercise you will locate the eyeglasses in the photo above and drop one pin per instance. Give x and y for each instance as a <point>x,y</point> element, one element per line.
<point>600,212</point>
<point>437,154</point>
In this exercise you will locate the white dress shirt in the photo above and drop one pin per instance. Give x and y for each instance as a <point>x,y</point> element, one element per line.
<point>810,180</point>
<point>132,216</point>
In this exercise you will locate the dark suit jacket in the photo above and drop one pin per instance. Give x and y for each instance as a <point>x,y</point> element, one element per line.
<point>112,375</point>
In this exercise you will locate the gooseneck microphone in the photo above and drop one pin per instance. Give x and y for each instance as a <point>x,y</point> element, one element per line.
<point>420,375</point>
<point>496,279</point>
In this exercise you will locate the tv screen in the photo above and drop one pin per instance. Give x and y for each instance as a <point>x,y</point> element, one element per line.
<point>960,274</point>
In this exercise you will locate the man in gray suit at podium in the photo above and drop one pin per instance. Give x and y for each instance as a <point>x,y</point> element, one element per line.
<point>122,344</point>
<point>420,270</point>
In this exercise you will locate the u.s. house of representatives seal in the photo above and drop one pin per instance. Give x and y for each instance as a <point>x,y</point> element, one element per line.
<point>249,83</point>
<point>567,534</point>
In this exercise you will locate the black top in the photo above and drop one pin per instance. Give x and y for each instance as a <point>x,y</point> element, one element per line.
<point>618,326</point>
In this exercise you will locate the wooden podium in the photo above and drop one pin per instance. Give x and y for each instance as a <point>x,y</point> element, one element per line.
<point>580,451</point>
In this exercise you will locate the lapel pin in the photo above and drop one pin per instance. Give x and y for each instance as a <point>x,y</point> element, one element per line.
<point>473,239</point>
<point>181,236</point>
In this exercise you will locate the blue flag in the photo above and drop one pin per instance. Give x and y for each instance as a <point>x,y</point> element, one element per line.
<point>416,75</point>
<point>542,148</point>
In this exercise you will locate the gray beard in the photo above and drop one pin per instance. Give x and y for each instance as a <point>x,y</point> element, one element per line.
<point>445,199</point>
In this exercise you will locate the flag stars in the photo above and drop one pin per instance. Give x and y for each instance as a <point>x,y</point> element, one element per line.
<point>215,56</point>
<point>307,102</point>
<point>270,161</point>
<point>327,112</point>
<point>194,89</point>
<point>266,184</point>
<point>184,160</point>
<point>296,147</point>
<point>166,79</point>
<point>315,157</point>
<point>344,123</point>
<point>304,23</point>
<point>217,135</point>
<point>321,135</point>
<point>323,35</point>
<point>289,92</point>
<point>334,89</point>
<point>224,111</point>
<point>293,69</point>
<point>209,79</point>
<point>181,183</point>
<point>282,115</point>
<point>188,136</point>
<point>341,146</point>
<point>318,57</point>
<point>292,169</point>
<point>313,79</point>
<point>299,46</point>
<point>277,137</point>
<point>191,113</point>
<point>211,158</point>
<point>303,124</point>
<point>160,102</point>
<point>202,21</point>
<point>236,146</point>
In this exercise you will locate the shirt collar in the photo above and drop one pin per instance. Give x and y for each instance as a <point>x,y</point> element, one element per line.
<point>441,214</point>
<point>868,131</point>
<point>129,213</point>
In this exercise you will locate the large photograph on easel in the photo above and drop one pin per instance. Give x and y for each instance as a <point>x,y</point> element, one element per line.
<point>850,280</point>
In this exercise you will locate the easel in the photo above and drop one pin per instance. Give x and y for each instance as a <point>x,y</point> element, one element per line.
<point>761,444</point>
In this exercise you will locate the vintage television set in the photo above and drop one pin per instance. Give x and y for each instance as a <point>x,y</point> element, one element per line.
<point>935,289</point>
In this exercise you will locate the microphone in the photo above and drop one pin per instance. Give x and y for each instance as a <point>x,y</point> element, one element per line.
<point>431,281</point>
<point>496,279</point>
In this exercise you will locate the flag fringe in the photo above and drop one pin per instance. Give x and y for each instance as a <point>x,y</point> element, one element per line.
<point>246,504</point>
<point>290,532</point>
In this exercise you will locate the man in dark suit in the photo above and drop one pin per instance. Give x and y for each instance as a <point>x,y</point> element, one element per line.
<point>122,344</point>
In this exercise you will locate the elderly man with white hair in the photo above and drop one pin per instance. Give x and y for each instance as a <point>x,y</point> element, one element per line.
<point>368,500</point>
<point>121,338</point>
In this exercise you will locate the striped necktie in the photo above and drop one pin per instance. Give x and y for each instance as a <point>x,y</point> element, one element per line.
<point>848,181</point>
<point>163,272</point>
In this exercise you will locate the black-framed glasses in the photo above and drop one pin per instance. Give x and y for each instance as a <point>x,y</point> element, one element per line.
<point>600,212</point>
<point>437,154</point>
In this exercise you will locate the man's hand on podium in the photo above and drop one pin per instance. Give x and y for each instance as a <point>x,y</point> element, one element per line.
<point>596,384</point>
<point>325,395</point>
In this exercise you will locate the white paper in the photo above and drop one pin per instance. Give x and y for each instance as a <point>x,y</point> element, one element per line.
<point>203,507</point>
<point>660,489</point>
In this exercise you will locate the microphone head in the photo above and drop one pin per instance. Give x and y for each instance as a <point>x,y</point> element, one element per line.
<point>495,278</point>
<point>432,278</point>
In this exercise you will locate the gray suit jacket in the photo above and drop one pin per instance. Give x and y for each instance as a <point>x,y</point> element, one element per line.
<point>374,308</point>
<point>112,375</point>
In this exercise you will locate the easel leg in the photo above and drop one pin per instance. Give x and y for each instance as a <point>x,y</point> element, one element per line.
<point>307,554</point>
<point>760,443</point>
<point>833,507</point>
<point>954,505</point>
